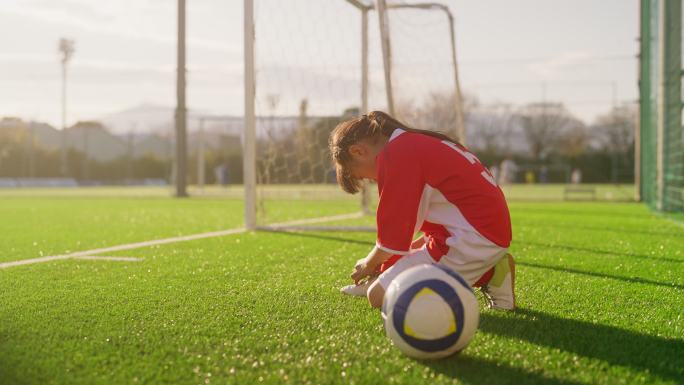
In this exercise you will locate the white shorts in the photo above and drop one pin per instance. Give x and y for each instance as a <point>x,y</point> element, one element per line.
<point>471,272</point>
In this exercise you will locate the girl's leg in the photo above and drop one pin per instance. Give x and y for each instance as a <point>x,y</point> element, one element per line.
<point>500,290</point>
<point>495,278</point>
<point>497,284</point>
<point>376,291</point>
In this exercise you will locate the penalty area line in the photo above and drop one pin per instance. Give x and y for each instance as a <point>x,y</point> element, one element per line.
<point>163,241</point>
<point>108,258</point>
<point>129,246</point>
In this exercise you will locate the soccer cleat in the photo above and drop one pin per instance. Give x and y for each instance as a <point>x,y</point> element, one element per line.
<point>358,290</point>
<point>500,290</point>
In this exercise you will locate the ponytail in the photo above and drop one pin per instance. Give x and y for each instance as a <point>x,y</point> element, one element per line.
<point>367,127</point>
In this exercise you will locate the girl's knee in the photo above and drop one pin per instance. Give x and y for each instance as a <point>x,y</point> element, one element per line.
<point>376,294</point>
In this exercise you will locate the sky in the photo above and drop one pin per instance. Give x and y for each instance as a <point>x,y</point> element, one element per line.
<point>578,52</point>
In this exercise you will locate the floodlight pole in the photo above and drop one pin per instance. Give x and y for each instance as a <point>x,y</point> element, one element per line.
<point>66,48</point>
<point>249,152</point>
<point>63,149</point>
<point>181,111</point>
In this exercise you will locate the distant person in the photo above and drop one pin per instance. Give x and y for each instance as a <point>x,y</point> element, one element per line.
<point>226,175</point>
<point>544,174</point>
<point>508,171</point>
<point>221,174</point>
<point>427,181</point>
<point>529,177</point>
<point>576,176</point>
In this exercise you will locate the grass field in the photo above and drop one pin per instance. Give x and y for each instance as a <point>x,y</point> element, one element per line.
<point>600,290</point>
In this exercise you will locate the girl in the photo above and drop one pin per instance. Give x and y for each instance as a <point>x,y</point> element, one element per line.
<point>428,182</point>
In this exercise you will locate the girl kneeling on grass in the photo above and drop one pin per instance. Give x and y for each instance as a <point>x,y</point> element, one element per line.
<point>427,182</point>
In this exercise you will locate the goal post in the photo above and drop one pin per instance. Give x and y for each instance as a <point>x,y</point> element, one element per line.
<point>249,141</point>
<point>308,66</point>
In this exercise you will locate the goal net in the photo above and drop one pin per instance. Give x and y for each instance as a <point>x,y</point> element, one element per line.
<point>317,63</point>
<point>424,73</point>
<point>661,136</point>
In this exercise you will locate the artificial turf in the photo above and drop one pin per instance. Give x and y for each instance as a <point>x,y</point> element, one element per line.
<point>600,291</point>
<point>35,226</point>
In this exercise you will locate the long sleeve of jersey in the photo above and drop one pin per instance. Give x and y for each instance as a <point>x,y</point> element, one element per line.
<point>400,183</point>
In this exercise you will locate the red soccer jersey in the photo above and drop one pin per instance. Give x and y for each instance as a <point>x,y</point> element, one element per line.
<point>442,189</point>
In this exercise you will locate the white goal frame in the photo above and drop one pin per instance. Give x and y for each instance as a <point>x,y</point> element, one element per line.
<point>249,149</point>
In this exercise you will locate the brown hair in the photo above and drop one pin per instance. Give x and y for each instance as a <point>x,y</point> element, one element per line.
<point>371,127</point>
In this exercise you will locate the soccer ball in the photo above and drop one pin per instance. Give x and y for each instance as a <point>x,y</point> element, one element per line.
<point>430,312</point>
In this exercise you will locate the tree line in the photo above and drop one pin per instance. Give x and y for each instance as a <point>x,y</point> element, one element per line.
<point>536,136</point>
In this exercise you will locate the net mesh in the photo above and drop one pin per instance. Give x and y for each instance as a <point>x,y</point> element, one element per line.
<point>308,79</point>
<point>308,56</point>
<point>422,68</point>
<point>661,133</point>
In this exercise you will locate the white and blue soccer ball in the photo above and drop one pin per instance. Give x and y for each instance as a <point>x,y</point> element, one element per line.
<point>430,312</point>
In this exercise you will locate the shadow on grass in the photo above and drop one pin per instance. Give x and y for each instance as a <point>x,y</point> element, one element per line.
<point>602,275</point>
<point>660,356</point>
<point>472,370</point>
<point>519,262</point>
<point>603,252</point>
<point>619,230</point>
<point>324,236</point>
<point>588,213</point>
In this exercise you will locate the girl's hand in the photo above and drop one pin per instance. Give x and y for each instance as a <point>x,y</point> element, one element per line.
<point>360,264</point>
<point>368,266</point>
<point>361,271</point>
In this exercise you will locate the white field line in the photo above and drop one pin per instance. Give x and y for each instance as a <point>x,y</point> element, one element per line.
<point>128,246</point>
<point>356,229</point>
<point>310,221</point>
<point>137,245</point>
<point>107,258</point>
